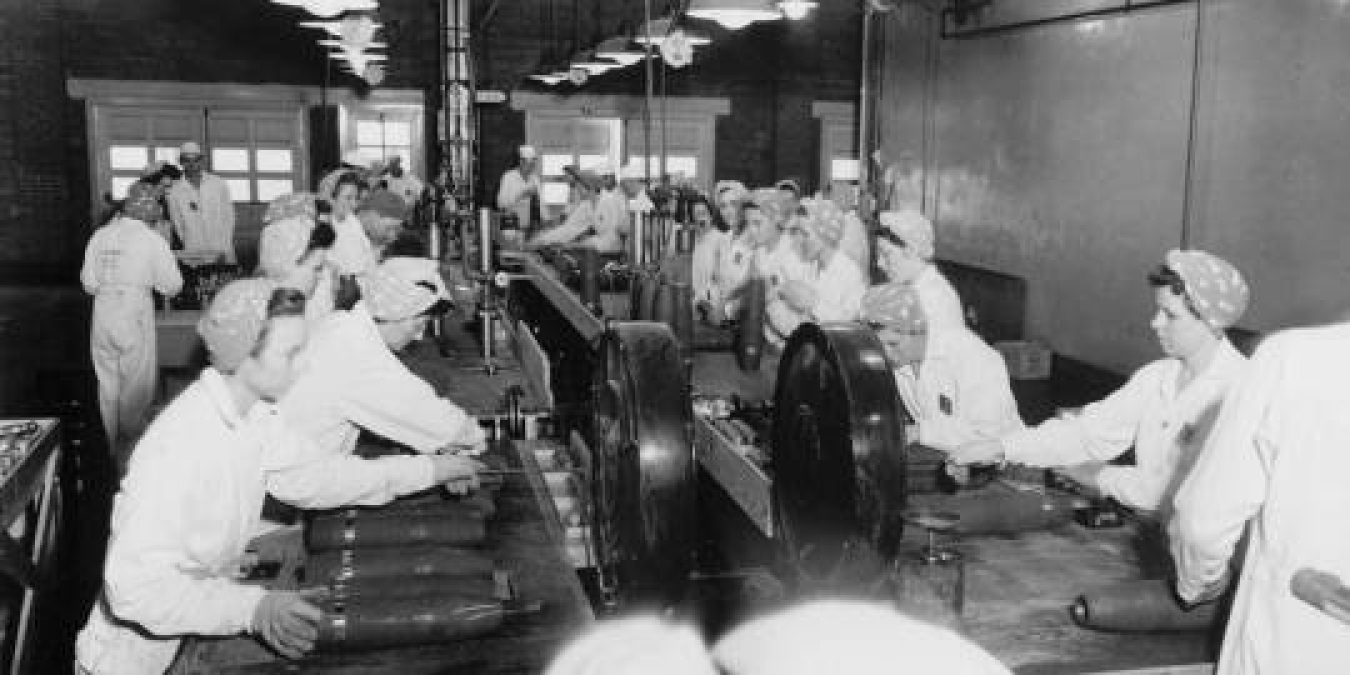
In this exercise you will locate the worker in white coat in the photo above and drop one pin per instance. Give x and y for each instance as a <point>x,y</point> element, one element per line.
<point>352,380</point>
<point>712,242</point>
<point>293,251</point>
<point>953,385</point>
<point>124,262</point>
<point>905,249</point>
<point>733,269</point>
<point>585,224</point>
<point>201,208</point>
<point>1166,409</point>
<point>194,492</point>
<point>846,636</point>
<point>522,187</point>
<point>1274,466</point>
<point>834,288</point>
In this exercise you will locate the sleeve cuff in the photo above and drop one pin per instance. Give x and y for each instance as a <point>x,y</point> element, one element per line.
<point>249,599</point>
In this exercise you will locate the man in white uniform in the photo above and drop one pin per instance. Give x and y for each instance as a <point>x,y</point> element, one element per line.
<point>1275,467</point>
<point>834,291</point>
<point>611,211</point>
<point>1166,409</point>
<point>954,385</point>
<point>194,493</point>
<point>353,381</point>
<point>201,209</point>
<point>522,187</point>
<point>124,262</point>
<point>905,253</point>
<point>585,225</point>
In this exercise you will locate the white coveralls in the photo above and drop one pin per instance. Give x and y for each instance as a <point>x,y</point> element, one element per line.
<point>187,508</point>
<point>961,392</point>
<point>1165,426</point>
<point>352,381</point>
<point>513,195</point>
<point>611,222</point>
<point>1278,456</point>
<point>709,250</point>
<point>123,262</point>
<point>203,218</point>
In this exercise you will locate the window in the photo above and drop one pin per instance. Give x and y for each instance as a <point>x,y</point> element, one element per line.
<point>682,165</point>
<point>384,137</point>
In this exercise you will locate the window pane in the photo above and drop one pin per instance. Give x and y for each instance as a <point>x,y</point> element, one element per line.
<point>687,166</point>
<point>369,132</point>
<point>404,152</point>
<point>271,188</point>
<point>843,168</point>
<point>239,189</point>
<point>553,164</point>
<point>167,154</point>
<point>555,193</point>
<point>397,133</point>
<point>375,152</point>
<point>120,185</point>
<point>274,160</point>
<point>229,159</point>
<point>592,162</point>
<point>128,157</point>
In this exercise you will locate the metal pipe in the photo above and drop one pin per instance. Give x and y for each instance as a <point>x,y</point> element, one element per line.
<point>1127,6</point>
<point>485,241</point>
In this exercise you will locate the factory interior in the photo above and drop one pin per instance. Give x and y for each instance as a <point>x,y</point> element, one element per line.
<point>603,337</point>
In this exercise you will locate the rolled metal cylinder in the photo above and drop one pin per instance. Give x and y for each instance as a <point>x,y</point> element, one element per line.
<point>485,240</point>
<point>637,253</point>
<point>590,264</point>
<point>403,563</point>
<point>410,587</point>
<point>663,304</point>
<point>336,532</point>
<point>1140,607</point>
<point>749,342</point>
<point>374,623</point>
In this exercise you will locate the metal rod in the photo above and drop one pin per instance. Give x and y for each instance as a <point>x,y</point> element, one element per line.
<point>1125,7</point>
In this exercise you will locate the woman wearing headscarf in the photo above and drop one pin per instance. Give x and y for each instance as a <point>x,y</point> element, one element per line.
<point>733,270</point>
<point>1165,410</point>
<point>711,243</point>
<point>293,250</point>
<point>834,288</point>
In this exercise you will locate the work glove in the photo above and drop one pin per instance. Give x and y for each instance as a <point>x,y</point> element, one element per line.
<point>288,622</point>
<point>457,473</point>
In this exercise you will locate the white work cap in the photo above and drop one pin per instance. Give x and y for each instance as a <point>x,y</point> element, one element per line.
<point>189,148</point>
<point>527,152</point>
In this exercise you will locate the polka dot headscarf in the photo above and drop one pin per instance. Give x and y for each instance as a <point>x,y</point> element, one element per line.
<point>1215,288</point>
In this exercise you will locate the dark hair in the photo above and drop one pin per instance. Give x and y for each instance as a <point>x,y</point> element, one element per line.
<point>717,221</point>
<point>283,302</point>
<point>746,206</point>
<point>1165,277</point>
<point>348,178</point>
<point>321,237</point>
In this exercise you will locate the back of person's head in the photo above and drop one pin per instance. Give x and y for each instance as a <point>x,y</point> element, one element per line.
<point>848,638</point>
<point>644,645</point>
<point>235,323</point>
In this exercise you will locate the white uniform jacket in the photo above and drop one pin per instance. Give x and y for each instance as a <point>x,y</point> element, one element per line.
<point>512,194</point>
<point>733,271</point>
<point>611,222</point>
<point>1278,455</point>
<point>709,249</point>
<point>1165,426</point>
<point>577,225</point>
<point>839,287</point>
<point>961,393</point>
<point>352,252</point>
<point>188,506</point>
<point>203,217</point>
<point>351,381</point>
<point>940,302</point>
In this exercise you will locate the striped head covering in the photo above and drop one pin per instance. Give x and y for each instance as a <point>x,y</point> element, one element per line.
<point>735,190</point>
<point>894,306</point>
<point>403,287</point>
<point>773,203</point>
<point>1215,288</point>
<point>142,203</point>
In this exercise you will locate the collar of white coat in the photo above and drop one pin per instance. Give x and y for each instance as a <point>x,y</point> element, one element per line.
<point>1226,365</point>
<point>213,382</point>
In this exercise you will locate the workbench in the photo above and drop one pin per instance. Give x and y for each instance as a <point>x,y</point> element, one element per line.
<point>524,538</point>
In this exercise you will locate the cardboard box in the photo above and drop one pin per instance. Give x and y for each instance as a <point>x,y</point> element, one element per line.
<point>1026,359</point>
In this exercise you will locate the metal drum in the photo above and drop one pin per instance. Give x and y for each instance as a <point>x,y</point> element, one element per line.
<point>838,461</point>
<point>643,478</point>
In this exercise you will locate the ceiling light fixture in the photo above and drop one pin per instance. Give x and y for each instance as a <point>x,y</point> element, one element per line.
<point>796,9</point>
<point>329,9</point>
<point>733,14</point>
<point>620,49</point>
<point>658,29</point>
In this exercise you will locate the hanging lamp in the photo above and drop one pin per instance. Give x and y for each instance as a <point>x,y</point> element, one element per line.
<point>658,29</point>
<point>733,14</point>
<point>620,49</point>
<point>796,9</point>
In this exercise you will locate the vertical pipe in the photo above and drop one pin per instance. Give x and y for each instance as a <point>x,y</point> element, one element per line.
<point>647,100</point>
<point>485,240</point>
<point>487,313</point>
<point>1187,201</point>
<point>865,113</point>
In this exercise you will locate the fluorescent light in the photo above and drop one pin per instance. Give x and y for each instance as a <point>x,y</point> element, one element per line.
<point>734,14</point>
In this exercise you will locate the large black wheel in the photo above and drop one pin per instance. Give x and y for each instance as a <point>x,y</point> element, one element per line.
<point>643,478</point>
<point>838,456</point>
